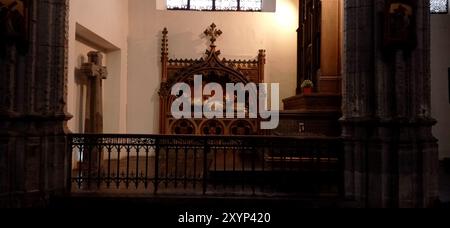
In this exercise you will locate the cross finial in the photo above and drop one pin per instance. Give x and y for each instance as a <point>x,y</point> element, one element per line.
<point>213,33</point>
<point>94,67</point>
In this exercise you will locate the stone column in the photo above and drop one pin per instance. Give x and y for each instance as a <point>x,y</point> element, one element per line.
<point>391,157</point>
<point>33,112</point>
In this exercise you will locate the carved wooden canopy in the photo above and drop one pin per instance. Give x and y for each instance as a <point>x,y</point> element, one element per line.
<point>213,69</point>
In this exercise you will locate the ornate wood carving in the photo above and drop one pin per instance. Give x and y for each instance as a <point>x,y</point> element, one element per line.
<point>213,33</point>
<point>213,69</point>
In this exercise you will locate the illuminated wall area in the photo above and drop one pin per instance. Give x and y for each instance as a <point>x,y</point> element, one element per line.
<point>244,33</point>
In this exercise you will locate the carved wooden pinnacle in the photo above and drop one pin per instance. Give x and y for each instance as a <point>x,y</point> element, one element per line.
<point>213,33</point>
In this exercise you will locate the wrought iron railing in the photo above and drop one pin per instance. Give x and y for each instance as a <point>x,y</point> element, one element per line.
<point>205,165</point>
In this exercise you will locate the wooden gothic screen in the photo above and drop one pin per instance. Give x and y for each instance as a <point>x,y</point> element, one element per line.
<point>309,38</point>
<point>213,69</point>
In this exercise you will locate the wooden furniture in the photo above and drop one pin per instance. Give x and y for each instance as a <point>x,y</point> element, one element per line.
<point>319,39</point>
<point>308,44</point>
<point>213,69</point>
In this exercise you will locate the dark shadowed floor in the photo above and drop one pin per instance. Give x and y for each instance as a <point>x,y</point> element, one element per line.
<point>444,183</point>
<point>81,201</point>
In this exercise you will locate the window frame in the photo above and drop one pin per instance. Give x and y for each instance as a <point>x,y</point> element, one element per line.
<point>214,8</point>
<point>444,12</point>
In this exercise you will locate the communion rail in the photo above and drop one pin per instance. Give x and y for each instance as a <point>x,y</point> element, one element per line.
<point>205,165</point>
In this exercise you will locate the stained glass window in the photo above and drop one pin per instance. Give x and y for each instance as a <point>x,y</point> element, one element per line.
<point>215,5</point>
<point>177,4</point>
<point>227,5</point>
<point>201,4</point>
<point>250,5</point>
<point>439,6</point>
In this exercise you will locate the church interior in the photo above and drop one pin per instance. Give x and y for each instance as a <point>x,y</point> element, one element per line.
<point>364,94</point>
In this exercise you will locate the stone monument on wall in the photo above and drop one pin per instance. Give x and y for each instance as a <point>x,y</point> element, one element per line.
<point>94,73</point>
